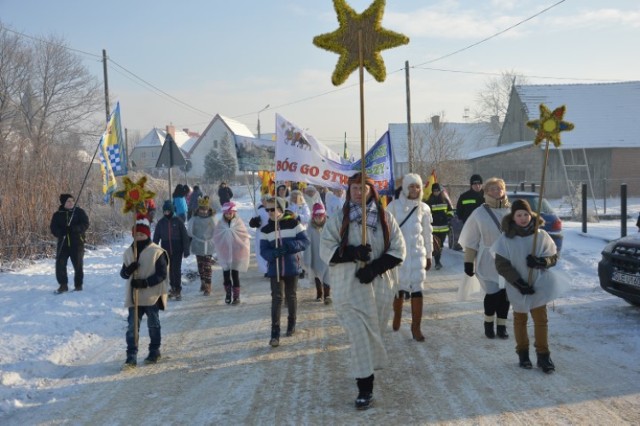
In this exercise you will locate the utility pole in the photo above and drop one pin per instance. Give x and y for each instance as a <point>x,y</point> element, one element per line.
<point>409,136</point>
<point>106,82</point>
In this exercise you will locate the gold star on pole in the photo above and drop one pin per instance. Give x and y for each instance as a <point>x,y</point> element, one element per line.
<point>344,41</point>
<point>549,125</point>
<point>134,195</point>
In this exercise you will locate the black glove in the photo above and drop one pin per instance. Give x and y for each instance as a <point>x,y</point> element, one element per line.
<point>366,274</point>
<point>131,268</point>
<point>139,283</point>
<point>279,251</point>
<point>361,252</point>
<point>523,287</point>
<point>468,268</point>
<point>536,262</point>
<point>254,222</point>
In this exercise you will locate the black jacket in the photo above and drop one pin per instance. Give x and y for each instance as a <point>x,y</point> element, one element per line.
<point>174,236</point>
<point>73,235</point>
<point>225,194</point>
<point>468,202</point>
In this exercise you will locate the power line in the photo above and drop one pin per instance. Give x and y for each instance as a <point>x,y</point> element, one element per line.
<point>500,74</point>
<point>2,26</point>
<point>494,35</point>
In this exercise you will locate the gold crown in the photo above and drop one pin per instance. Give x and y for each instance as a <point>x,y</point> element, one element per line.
<point>203,202</point>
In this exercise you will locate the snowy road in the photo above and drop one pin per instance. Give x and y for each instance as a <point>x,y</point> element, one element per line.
<point>218,368</point>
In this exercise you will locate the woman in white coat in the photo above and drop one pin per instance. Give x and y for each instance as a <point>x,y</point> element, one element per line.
<point>480,231</point>
<point>414,219</point>
<point>363,278</point>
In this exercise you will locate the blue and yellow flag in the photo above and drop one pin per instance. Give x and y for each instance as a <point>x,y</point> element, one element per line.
<point>113,160</point>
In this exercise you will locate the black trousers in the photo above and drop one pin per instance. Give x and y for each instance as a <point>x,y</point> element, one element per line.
<point>175,273</point>
<point>497,303</point>
<point>76,254</point>
<point>288,286</point>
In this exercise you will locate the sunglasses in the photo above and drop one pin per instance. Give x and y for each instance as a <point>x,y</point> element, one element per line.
<point>271,210</point>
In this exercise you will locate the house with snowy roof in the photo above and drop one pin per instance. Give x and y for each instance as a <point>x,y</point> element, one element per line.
<point>602,151</point>
<point>220,131</point>
<point>146,152</point>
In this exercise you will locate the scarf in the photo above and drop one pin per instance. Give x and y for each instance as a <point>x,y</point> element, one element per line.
<point>355,214</point>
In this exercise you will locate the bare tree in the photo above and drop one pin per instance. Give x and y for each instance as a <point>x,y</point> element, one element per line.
<point>438,148</point>
<point>493,100</point>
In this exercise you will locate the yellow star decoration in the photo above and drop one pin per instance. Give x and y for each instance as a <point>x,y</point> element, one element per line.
<point>549,125</point>
<point>344,41</point>
<point>134,195</point>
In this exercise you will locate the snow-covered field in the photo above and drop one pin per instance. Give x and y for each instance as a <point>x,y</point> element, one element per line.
<point>60,356</point>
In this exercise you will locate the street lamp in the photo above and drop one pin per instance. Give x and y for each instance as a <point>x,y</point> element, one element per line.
<point>263,109</point>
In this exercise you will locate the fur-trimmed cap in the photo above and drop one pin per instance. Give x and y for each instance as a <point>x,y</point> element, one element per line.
<point>411,178</point>
<point>521,205</point>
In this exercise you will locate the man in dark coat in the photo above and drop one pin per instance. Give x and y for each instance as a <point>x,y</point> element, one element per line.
<point>193,201</point>
<point>172,235</point>
<point>224,193</point>
<point>471,199</point>
<point>69,224</point>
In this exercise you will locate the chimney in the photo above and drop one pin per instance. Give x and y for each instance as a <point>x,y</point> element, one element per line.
<point>172,131</point>
<point>435,122</point>
<point>186,130</point>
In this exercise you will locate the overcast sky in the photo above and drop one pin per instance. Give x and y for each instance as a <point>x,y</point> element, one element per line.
<point>236,57</point>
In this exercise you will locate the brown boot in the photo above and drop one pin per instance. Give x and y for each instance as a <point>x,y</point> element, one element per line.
<point>203,286</point>
<point>397,312</point>
<point>416,318</point>
<point>318,289</point>
<point>207,290</point>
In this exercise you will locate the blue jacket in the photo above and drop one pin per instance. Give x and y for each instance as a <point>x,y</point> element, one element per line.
<point>173,235</point>
<point>292,236</point>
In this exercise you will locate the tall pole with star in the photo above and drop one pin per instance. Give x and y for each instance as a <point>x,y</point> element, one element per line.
<point>359,40</point>
<point>548,128</point>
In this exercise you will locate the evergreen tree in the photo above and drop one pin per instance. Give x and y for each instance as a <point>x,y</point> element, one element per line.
<point>220,164</point>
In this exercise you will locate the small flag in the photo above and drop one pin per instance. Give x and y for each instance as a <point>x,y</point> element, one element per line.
<point>112,153</point>
<point>426,193</point>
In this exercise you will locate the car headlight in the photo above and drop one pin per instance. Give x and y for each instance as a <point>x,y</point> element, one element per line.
<point>609,247</point>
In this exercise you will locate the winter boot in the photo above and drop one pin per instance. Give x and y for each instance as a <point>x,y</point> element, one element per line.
<point>501,331</point>
<point>365,393</point>
<point>227,297</point>
<point>544,362</point>
<point>203,286</point>
<point>416,318</point>
<point>207,290</point>
<point>488,330</point>
<point>327,295</point>
<point>131,361</point>
<point>397,312</point>
<point>78,287</point>
<point>153,357</point>
<point>171,295</point>
<point>236,296</point>
<point>62,289</point>
<point>318,289</point>
<point>275,336</point>
<point>177,294</point>
<point>525,362</point>
<point>291,328</point>
<point>438,264</point>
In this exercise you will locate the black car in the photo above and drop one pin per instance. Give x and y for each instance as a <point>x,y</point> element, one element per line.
<point>619,269</point>
<point>552,223</point>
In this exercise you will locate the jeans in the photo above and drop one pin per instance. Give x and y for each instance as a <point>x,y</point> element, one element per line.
<point>153,324</point>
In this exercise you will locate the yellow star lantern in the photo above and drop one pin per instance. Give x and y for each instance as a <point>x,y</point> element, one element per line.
<point>549,125</point>
<point>345,41</point>
<point>134,195</point>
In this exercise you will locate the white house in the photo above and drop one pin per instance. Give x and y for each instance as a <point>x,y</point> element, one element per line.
<point>146,152</point>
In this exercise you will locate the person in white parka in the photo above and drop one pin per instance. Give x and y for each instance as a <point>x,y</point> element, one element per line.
<point>414,218</point>
<point>478,234</point>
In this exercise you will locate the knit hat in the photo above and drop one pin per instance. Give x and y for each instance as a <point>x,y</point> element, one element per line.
<point>521,205</point>
<point>142,225</point>
<point>229,207</point>
<point>318,210</point>
<point>203,202</point>
<point>167,206</point>
<point>64,198</point>
<point>411,178</point>
<point>436,187</point>
<point>475,179</point>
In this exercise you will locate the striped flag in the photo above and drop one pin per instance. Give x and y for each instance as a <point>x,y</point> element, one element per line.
<point>112,153</point>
